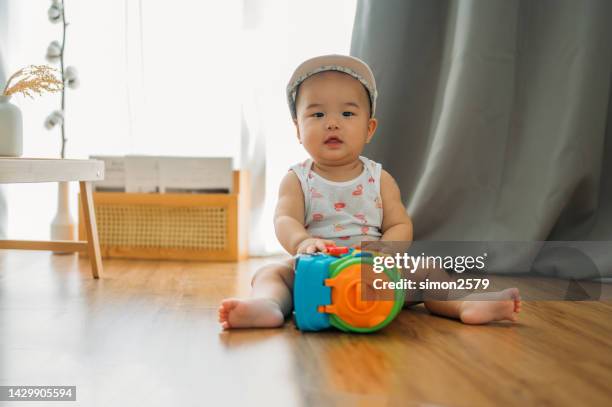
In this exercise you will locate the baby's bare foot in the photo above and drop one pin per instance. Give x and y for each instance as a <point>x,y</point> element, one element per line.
<point>499,306</point>
<point>250,313</point>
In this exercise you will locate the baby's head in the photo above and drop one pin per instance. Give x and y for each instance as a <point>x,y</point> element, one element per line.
<point>332,100</point>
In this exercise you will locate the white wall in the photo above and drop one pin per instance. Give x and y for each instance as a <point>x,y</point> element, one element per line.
<point>3,51</point>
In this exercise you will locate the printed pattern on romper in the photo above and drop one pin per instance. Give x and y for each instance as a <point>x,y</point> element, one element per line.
<point>346,212</point>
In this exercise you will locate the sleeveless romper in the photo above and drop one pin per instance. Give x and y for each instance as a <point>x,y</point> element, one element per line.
<point>345,212</point>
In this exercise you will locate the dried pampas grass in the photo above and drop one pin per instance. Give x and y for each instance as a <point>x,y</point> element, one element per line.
<point>33,79</point>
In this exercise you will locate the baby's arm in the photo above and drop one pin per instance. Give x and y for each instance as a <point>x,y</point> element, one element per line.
<point>396,223</point>
<point>289,219</point>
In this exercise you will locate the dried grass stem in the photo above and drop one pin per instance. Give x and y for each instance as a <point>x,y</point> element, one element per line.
<point>34,79</point>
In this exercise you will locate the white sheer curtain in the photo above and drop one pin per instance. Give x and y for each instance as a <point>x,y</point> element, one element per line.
<point>182,78</point>
<point>277,36</point>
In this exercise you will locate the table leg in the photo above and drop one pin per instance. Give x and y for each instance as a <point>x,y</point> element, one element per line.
<point>91,228</point>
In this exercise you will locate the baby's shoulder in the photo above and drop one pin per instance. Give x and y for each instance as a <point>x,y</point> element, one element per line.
<point>290,184</point>
<point>290,178</point>
<point>388,185</point>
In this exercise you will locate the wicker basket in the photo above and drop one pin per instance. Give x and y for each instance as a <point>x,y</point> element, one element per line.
<point>173,226</point>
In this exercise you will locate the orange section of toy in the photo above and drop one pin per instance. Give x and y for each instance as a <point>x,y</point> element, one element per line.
<point>347,302</point>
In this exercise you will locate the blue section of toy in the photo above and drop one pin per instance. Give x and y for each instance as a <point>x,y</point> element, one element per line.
<point>310,292</point>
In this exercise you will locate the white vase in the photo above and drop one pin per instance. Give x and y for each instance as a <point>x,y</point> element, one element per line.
<point>11,129</point>
<point>63,226</point>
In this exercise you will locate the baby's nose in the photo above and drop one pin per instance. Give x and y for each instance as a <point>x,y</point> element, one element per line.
<point>332,125</point>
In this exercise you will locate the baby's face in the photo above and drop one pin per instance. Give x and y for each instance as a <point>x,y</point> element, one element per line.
<point>333,118</point>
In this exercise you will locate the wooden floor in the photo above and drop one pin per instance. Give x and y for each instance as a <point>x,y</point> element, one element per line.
<point>147,335</point>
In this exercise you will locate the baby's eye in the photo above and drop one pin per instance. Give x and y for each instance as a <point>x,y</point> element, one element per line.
<point>348,114</point>
<point>318,114</point>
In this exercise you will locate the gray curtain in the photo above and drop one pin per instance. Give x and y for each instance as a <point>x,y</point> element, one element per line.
<point>495,115</point>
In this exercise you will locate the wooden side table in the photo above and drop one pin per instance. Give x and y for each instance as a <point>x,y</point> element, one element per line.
<point>21,170</point>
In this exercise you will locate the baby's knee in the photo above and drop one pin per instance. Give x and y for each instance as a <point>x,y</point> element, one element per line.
<point>281,270</point>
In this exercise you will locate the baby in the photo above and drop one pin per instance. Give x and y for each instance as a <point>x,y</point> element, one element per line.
<point>339,197</point>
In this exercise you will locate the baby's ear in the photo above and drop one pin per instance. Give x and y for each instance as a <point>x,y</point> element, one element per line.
<point>372,124</point>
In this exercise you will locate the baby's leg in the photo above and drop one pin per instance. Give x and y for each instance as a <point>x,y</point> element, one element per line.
<point>472,309</point>
<point>476,309</point>
<point>269,303</point>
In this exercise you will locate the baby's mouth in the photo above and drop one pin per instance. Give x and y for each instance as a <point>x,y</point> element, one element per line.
<point>333,141</point>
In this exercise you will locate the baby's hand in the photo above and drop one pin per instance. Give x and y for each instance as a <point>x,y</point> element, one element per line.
<point>313,245</point>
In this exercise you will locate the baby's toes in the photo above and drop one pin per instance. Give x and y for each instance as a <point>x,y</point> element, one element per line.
<point>517,305</point>
<point>229,304</point>
<point>225,309</point>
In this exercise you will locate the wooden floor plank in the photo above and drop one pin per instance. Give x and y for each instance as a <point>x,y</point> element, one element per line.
<point>147,334</point>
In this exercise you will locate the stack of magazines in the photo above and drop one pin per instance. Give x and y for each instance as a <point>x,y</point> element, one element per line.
<point>162,174</point>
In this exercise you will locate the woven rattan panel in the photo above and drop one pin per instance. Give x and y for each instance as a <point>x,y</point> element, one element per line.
<point>149,226</point>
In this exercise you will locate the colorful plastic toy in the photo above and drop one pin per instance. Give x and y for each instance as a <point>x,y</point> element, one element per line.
<point>327,293</point>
